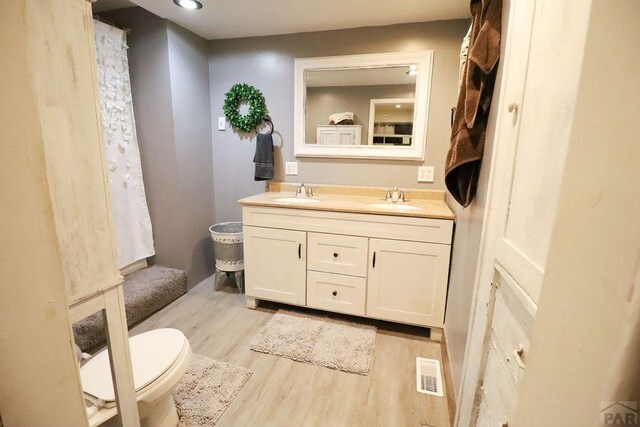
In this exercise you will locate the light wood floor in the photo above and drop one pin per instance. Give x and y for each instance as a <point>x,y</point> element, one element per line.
<point>282,392</point>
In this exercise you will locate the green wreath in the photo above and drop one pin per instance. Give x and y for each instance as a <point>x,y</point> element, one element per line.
<point>242,92</point>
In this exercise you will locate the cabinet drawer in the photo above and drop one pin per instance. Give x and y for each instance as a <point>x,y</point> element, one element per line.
<point>511,327</point>
<point>334,253</point>
<point>336,292</point>
<point>498,390</point>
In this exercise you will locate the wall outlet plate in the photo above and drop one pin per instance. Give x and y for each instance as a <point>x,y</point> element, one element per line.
<point>291,168</point>
<point>222,123</point>
<point>426,173</point>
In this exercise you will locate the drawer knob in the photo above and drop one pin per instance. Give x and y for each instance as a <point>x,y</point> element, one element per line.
<point>334,293</point>
<point>335,254</point>
<point>518,353</point>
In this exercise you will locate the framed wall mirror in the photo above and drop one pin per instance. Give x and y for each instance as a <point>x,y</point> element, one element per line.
<point>363,106</point>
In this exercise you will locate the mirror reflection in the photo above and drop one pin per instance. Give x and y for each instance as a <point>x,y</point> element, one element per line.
<point>391,121</point>
<point>360,106</point>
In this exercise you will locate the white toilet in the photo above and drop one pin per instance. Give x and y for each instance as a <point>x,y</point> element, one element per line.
<point>159,359</point>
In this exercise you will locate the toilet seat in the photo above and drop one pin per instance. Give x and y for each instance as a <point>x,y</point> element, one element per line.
<point>153,354</point>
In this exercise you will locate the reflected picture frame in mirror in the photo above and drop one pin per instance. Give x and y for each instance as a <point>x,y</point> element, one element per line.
<point>408,144</point>
<point>391,121</point>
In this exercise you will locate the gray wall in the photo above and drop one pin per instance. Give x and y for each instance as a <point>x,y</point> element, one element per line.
<point>267,63</point>
<point>188,59</point>
<point>466,246</point>
<point>170,90</point>
<point>464,260</point>
<point>324,101</point>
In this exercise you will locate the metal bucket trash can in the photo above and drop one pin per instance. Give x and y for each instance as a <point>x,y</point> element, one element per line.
<point>227,247</point>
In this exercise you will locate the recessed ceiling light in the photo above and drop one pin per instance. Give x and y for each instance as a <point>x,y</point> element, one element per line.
<point>188,4</point>
<point>398,105</point>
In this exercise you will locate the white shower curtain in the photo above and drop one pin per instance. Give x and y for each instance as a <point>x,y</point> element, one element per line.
<point>129,204</point>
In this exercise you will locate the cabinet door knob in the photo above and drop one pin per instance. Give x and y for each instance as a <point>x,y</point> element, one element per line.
<point>335,254</point>
<point>374,260</point>
<point>513,107</point>
<point>518,353</point>
<point>334,293</point>
<point>300,250</point>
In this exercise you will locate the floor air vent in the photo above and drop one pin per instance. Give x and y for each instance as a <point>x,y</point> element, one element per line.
<point>429,376</point>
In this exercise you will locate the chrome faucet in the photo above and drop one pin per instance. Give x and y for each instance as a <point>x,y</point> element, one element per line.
<point>303,190</point>
<point>396,195</point>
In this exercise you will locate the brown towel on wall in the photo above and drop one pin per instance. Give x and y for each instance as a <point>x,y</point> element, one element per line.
<point>474,100</point>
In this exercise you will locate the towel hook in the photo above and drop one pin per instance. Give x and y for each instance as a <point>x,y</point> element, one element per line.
<point>268,120</point>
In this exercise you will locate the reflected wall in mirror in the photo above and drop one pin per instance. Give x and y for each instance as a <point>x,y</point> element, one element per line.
<point>362,106</point>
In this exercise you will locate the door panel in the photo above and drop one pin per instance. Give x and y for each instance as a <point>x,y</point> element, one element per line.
<point>512,260</point>
<point>275,264</point>
<point>407,281</point>
<point>536,159</point>
<point>498,390</point>
<point>512,249</point>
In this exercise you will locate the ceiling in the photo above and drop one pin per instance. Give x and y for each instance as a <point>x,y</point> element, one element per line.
<point>220,19</point>
<point>393,108</point>
<point>105,5</point>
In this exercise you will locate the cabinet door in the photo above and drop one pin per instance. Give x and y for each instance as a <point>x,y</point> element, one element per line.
<point>407,281</point>
<point>347,137</point>
<point>275,264</point>
<point>327,138</point>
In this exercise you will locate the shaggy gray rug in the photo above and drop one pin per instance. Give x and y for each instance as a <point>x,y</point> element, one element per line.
<point>206,390</point>
<point>145,292</point>
<point>320,340</point>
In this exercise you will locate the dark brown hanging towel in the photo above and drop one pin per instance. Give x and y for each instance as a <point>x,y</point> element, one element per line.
<point>474,100</point>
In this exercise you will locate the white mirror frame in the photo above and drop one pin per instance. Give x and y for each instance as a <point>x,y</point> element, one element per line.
<point>424,62</point>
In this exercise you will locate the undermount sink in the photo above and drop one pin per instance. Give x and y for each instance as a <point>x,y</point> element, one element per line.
<point>299,200</point>
<point>393,206</point>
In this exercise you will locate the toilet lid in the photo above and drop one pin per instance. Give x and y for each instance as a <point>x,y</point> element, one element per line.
<point>152,353</point>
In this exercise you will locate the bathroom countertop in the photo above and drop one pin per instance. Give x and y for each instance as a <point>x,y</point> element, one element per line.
<point>350,199</point>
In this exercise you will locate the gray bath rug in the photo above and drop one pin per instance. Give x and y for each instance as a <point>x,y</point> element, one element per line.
<point>206,390</point>
<point>336,344</point>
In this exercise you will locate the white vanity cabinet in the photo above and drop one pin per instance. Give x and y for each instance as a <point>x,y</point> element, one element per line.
<point>380,266</point>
